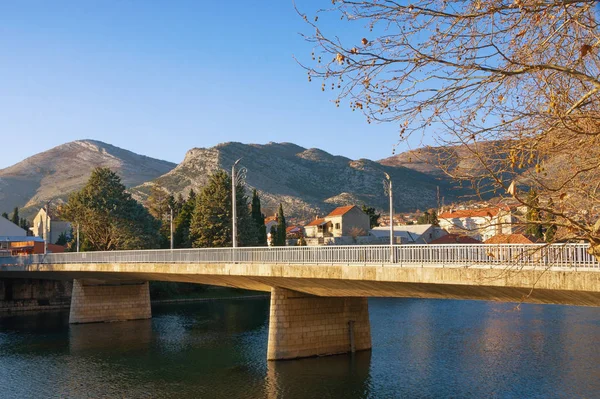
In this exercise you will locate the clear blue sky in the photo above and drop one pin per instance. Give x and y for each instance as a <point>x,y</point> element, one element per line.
<point>161,77</point>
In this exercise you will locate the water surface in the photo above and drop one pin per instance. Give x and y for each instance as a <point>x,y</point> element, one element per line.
<point>421,349</point>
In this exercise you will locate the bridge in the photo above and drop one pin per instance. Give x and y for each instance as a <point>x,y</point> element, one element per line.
<point>319,294</point>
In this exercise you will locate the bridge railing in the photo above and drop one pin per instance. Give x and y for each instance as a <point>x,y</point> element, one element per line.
<point>451,255</point>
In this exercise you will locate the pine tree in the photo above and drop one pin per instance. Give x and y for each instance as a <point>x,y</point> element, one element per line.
<point>109,218</point>
<point>212,219</point>
<point>5,215</point>
<point>259,220</point>
<point>15,216</point>
<point>281,228</point>
<point>534,225</point>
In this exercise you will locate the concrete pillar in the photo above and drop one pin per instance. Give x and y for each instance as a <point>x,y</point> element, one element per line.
<point>302,325</point>
<point>94,302</point>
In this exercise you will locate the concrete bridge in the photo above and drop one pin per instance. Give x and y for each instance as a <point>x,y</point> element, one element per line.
<point>319,294</point>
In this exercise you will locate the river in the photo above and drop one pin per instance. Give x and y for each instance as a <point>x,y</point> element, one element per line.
<point>421,349</point>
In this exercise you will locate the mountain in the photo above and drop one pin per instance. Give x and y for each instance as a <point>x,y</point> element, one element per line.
<point>54,174</point>
<point>306,181</point>
<point>428,159</point>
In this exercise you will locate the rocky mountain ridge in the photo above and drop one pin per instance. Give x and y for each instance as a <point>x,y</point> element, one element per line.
<point>54,174</point>
<point>307,181</point>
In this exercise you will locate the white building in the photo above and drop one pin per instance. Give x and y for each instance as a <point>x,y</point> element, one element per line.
<point>8,228</point>
<point>481,224</point>
<point>49,226</point>
<point>410,234</point>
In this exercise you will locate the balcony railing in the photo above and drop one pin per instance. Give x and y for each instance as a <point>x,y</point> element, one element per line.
<point>571,256</point>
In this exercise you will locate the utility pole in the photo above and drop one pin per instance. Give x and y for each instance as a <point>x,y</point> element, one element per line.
<point>387,185</point>
<point>47,228</point>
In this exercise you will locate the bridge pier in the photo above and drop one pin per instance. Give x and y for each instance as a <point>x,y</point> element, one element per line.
<point>94,301</point>
<point>303,325</point>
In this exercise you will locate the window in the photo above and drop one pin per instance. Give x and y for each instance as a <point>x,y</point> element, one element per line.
<point>337,226</point>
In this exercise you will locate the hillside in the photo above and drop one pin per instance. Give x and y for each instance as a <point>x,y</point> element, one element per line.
<point>306,181</point>
<point>54,174</point>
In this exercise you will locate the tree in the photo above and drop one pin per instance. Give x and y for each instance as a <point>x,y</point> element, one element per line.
<point>534,224</point>
<point>510,88</point>
<point>183,221</point>
<point>212,219</point>
<point>62,239</point>
<point>549,223</point>
<point>109,218</point>
<point>273,233</point>
<point>373,217</point>
<point>259,219</point>
<point>280,235</point>
<point>24,224</point>
<point>428,217</point>
<point>356,232</point>
<point>5,215</point>
<point>15,216</point>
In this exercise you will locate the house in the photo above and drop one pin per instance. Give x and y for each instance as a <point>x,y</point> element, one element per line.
<point>49,226</point>
<point>318,228</point>
<point>294,232</point>
<point>344,221</point>
<point>455,239</point>
<point>348,221</point>
<point>516,238</point>
<point>410,234</point>
<point>21,245</point>
<point>8,228</point>
<point>271,221</point>
<point>480,224</point>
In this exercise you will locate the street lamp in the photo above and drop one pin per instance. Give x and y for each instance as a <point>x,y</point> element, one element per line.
<point>236,178</point>
<point>387,186</point>
<point>171,219</point>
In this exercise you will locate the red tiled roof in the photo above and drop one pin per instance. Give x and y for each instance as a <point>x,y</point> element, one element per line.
<point>455,239</point>
<point>292,228</point>
<point>511,239</point>
<point>316,222</point>
<point>270,219</point>
<point>470,213</point>
<point>339,211</point>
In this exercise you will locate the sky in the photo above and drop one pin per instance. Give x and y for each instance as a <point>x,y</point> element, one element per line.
<point>161,77</point>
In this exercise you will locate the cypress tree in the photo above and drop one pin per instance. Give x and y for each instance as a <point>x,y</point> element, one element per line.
<point>181,235</point>
<point>549,223</point>
<point>273,235</point>
<point>534,225</point>
<point>15,216</point>
<point>281,227</point>
<point>259,219</point>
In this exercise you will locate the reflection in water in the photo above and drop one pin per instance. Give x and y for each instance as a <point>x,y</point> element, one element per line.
<point>421,349</point>
<point>345,376</point>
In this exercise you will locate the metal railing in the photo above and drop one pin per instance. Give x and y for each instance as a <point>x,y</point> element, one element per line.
<point>573,256</point>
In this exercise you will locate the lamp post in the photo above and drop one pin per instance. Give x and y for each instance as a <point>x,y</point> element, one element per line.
<point>387,186</point>
<point>234,179</point>
<point>78,237</point>
<point>171,219</point>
